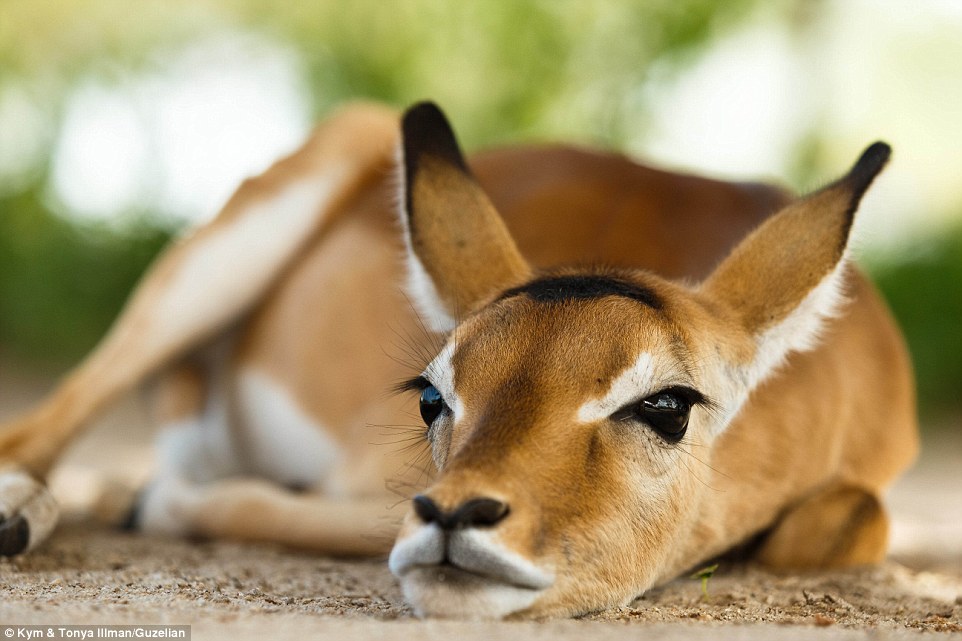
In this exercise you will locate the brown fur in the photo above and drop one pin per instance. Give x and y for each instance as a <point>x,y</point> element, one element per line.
<point>610,509</point>
<point>807,455</point>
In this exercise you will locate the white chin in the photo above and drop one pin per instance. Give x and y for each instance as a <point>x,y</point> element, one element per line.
<point>449,593</point>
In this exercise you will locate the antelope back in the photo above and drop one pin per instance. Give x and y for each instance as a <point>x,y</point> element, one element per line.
<point>565,408</point>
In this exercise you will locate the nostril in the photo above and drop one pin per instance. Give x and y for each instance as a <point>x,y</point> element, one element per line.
<point>472,513</point>
<point>483,512</point>
<point>426,509</point>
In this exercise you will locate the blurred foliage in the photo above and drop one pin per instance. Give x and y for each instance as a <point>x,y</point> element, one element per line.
<point>924,290</point>
<point>61,283</point>
<point>507,67</point>
<point>510,69</point>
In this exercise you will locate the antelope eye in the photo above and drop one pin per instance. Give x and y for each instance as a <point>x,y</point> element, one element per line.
<point>432,404</point>
<point>667,413</point>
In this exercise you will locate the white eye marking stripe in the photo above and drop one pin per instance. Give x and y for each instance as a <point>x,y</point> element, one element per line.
<point>441,374</point>
<point>638,377</point>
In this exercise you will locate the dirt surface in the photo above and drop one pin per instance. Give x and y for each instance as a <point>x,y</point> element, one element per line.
<point>91,574</point>
<point>88,573</point>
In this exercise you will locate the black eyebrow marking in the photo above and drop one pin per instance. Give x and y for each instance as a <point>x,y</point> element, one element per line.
<point>553,289</point>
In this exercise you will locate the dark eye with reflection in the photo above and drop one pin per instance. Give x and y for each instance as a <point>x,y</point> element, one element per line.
<point>666,412</point>
<point>432,404</point>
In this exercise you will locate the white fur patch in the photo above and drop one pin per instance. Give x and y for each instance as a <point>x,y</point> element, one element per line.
<point>649,374</point>
<point>280,441</point>
<point>630,385</point>
<point>423,546</point>
<point>425,295</point>
<point>471,549</point>
<point>202,448</point>
<point>491,581</point>
<point>799,331</point>
<point>167,506</point>
<point>419,285</point>
<point>481,551</point>
<point>228,268</point>
<point>199,449</point>
<point>440,592</point>
<point>441,374</point>
<point>21,495</point>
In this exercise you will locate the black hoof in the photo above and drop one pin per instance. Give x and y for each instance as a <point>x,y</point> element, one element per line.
<point>131,522</point>
<point>14,536</point>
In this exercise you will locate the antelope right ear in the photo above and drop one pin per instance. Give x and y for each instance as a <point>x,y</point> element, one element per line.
<point>788,276</point>
<point>459,251</point>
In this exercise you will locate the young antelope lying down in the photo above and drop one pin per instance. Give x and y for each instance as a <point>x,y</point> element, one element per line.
<point>727,377</point>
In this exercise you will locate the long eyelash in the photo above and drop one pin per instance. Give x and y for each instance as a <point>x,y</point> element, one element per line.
<point>412,348</point>
<point>692,396</point>
<point>696,398</point>
<point>416,384</point>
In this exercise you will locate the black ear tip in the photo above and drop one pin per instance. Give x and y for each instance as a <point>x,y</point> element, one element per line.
<point>422,114</point>
<point>426,131</point>
<point>868,166</point>
<point>877,154</point>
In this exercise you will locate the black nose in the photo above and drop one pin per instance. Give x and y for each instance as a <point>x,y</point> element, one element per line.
<point>471,513</point>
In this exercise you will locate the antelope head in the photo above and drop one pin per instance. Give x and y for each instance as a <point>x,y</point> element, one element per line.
<point>563,404</point>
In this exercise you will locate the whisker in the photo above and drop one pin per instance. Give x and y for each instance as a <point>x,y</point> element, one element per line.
<point>687,458</point>
<point>401,428</point>
<point>399,441</point>
<point>705,463</point>
<point>417,463</point>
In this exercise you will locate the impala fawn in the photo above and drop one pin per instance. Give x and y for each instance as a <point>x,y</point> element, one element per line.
<point>630,371</point>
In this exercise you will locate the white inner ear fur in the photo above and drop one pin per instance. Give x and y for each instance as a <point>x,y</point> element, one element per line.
<point>419,285</point>
<point>799,331</point>
<point>425,295</point>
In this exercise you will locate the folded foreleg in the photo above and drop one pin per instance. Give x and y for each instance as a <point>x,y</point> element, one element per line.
<point>206,283</point>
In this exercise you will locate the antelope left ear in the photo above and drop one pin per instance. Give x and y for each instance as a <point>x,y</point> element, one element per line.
<point>787,277</point>
<point>459,250</point>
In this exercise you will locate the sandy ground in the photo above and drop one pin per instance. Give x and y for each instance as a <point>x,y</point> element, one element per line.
<point>89,573</point>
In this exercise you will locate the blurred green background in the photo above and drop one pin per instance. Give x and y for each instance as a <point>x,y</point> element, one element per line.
<point>123,122</point>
